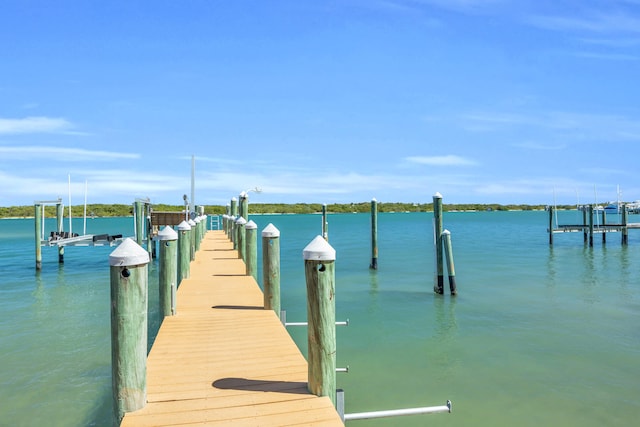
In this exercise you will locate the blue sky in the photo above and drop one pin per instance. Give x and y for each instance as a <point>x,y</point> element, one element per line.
<point>337,101</point>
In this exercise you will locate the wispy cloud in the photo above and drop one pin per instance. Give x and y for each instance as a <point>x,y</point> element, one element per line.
<point>449,160</point>
<point>34,125</point>
<point>61,154</point>
<point>537,146</point>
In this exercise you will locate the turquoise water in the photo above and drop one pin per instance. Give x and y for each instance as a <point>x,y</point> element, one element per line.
<point>538,335</point>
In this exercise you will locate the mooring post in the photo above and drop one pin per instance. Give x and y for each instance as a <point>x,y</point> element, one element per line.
<point>448,251</point>
<point>151,244</point>
<point>60,228</point>
<point>251,262</point>
<point>437,229</point>
<point>138,208</point>
<point>192,240</point>
<point>271,268</point>
<point>625,229</point>
<point>590,225</point>
<point>585,225</point>
<point>240,237</point>
<point>374,234</point>
<point>604,226</point>
<point>232,222</point>
<point>244,205</point>
<point>37,209</point>
<point>319,265</point>
<point>325,223</point>
<point>129,283</point>
<point>550,225</point>
<point>184,251</point>
<point>168,274</point>
<point>198,233</point>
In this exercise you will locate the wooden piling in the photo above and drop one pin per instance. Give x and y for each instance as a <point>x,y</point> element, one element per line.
<point>60,228</point>
<point>590,225</point>
<point>437,229</point>
<point>232,223</point>
<point>625,229</point>
<point>251,239</point>
<point>129,283</point>
<point>192,240</point>
<point>585,233</point>
<point>448,251</point>
<point>138,211</point>
<point>550,209</point>
<point>319,260</point>
<point>244,205</point>
<point>198,233</point>
<point>240,237</point>
<point>374,234</point>
<point>168,271</point>
<point>37,209</point>
<point>604,229</point>
<point>184,251</point>
<point>325,223</point>
<point>271,268</point>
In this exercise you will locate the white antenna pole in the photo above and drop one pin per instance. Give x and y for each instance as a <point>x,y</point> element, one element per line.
<point>84,231</point>
<point>193,184</point>
<point>70,227</point>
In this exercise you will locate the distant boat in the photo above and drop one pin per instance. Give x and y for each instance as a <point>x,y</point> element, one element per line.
<point>613,207</point>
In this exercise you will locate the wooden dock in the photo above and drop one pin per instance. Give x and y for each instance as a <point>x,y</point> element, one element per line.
<point>223,360</point>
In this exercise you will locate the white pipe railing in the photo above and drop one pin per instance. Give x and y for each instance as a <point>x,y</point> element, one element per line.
<point>386,413</point>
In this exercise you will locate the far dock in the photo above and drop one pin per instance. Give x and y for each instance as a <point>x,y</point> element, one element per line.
<point>223,359</point>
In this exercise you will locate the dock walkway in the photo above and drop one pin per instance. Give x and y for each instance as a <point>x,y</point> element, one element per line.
<point>223,360</point>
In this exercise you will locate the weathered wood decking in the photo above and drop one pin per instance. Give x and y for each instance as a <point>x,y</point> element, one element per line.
<point>223,360</point>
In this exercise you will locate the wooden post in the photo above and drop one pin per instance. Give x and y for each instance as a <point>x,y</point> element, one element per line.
<point>625,230</point>
<point>448,251</point>
<point>374,235</point>
<point>244,205</point>
<point>232,227</point>
<point>550,225</point>
<point>60,228</point>
<point>319,265</point>
<point>139,217</point>
<point>604,226</point>
<point>271,268</point>
<point>437,216</point>
<point>129,283</point>
<point>198,233</point>
<point>168,274</point>
<point>585,233</point>
<point>151,244</point>
<point>590,225</point>
<point>192,240</point>
<point>37,209</point>
<point>240,237</point>
<point>184,251</point>
<point>251,264</point>
<point>325,223</point>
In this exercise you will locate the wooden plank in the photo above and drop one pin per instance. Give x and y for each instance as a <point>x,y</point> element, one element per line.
<point>223,360</point>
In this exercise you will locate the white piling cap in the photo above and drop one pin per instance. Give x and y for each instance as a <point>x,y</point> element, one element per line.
<point>197,220</point>
<point>270,231</point>
<point>319,250</point>
<point>167,233</point>
<point>244,195</point>
<point>446,232</point>
<point>374,200</point>
<point>184,226</point>
<point>128,253</point>
<point>437,195</point>
<point>241,221</point>
<point>233,199</point>
<point>192,223</point>
<point>251,225</point>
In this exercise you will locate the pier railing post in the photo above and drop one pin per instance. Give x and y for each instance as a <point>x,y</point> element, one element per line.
<point>319,265</point>
<point>240,237</point>
<point>251,262</point>
<point>60,227</point>
<point>271,268</point>
<point>374,234</point>
<point>184,251</point>
<point>168,274</point>
<point>437,229</point>
<point>37,210</point>
<point>448,251</point>
<point>129,284</point>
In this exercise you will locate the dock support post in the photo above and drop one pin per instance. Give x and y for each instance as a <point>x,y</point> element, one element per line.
<point>319,265</point>
<point>590,225</point>
<point>192,240</point>
<point>60,227</point>
<point>325,223</point>
<point>550,209</point>
<point>625,230</point>
<point>585,233</point>
<point>251,237</point>
<point>129,283</point>
<point>448,251</point>
<point>437,216</point>
<point>374,235</point>
<point>232,222</point>
<point>604,226</point>
<point>198,233</point>
<point>37,209</point>
<point>271,268</point>
<point>151,244</point>
<point>184,251</point>
<point>240,237</point>
<point>168,274</point>
<point>244,205</point>
<point>139,217</point>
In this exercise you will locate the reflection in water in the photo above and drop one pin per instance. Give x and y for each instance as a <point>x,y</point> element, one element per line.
<point>443,351</point>
<point>551,272</point>
<point>589,278</point>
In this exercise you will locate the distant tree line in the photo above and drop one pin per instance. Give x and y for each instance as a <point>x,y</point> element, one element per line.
<point>112,210</point>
